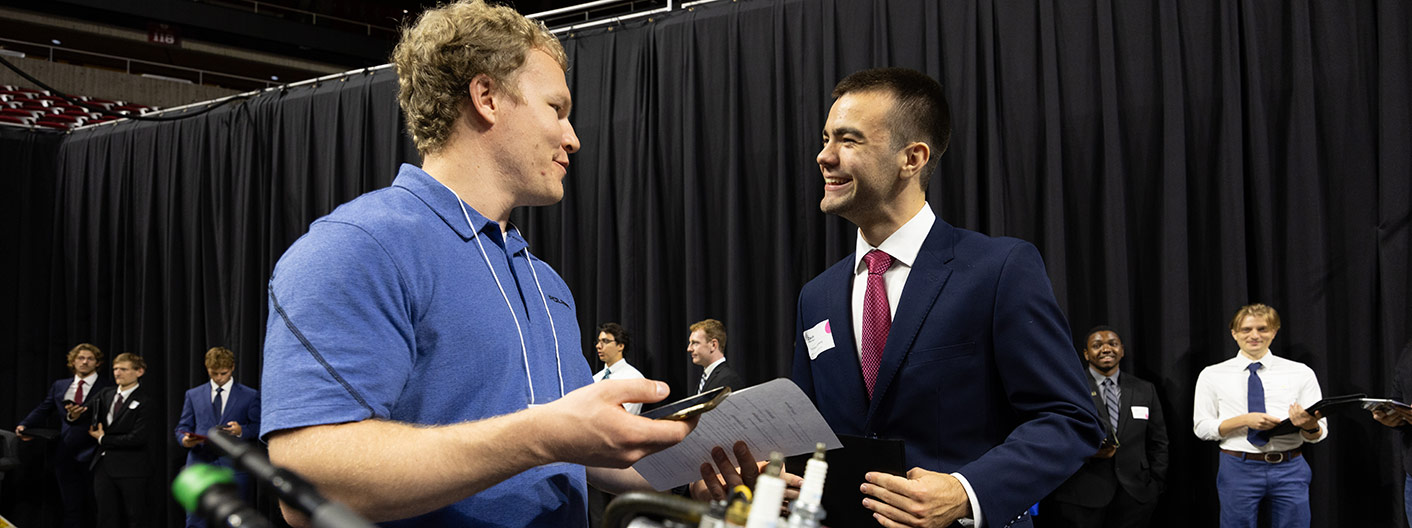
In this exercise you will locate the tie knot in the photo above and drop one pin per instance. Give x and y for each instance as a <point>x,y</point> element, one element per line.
<point>1107,382</point>
<point>220,390</point>
<point>1253,367</point>
<point>878,262</point>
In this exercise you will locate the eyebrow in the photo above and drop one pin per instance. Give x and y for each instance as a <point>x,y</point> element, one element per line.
<point>846,130</point>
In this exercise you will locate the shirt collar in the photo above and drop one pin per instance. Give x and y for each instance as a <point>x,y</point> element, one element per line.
<point>712,366</point>
<point>447,205</point>
<point>1098,377</point>
<point>620,361</point>
<point>128,392</point>
<point>903,244</point>
<point>227,385</point>
<point>88,380</point>
<point>1265,362</point>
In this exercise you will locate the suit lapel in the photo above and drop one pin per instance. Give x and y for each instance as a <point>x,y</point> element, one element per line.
<point>924,284</point>
<point>841,364</point>
<point>1097,394</point>
<point>1125,401</point>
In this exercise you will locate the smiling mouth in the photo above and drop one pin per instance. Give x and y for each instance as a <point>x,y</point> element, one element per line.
<point>835,182</point>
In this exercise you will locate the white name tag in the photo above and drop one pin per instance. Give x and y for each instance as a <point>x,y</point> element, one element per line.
<point>818,339</point>
<point>1139,412</point>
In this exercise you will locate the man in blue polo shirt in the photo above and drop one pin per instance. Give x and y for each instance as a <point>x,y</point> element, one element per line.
<point>421,365</point>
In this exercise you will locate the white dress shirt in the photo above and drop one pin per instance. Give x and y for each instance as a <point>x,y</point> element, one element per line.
<point>622,370</point>
<point>1221,395</point>
<point>225,395</point>
<point>87,387</point>
<point>113,406</point>
<point>903,245</point>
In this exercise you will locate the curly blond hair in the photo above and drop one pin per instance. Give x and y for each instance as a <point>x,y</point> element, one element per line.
<point>450,45</point>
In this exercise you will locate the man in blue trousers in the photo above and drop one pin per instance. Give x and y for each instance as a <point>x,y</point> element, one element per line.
<point>221,402</point>
<point>1239,398</point>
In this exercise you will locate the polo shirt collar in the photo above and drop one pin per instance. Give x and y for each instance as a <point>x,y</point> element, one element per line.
<point>445,204</point>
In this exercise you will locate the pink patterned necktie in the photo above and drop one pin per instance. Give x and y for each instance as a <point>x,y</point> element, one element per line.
<point>877,317</point>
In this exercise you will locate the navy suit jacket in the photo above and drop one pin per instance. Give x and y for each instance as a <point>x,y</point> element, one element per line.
<point>242,407</point>
<point>74,441</point>
<point>1140,463</point>
<point>977,376</point>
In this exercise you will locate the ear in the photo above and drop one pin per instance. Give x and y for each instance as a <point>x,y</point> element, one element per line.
<point>483,101</point>
<point>914,157</point>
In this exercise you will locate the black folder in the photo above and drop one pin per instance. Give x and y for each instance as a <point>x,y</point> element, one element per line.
<point>1330,407</point>
<point>842,502</point>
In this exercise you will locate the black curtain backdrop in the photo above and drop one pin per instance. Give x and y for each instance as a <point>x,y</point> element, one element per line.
<point>1171,160</point>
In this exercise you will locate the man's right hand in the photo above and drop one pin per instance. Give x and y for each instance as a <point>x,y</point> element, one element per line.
<point>1396,418</point>
<point>1260,421</point>
<point>74,410</point>
<point>20,432</point>
<point>189,441</point>
<point>589,426</point>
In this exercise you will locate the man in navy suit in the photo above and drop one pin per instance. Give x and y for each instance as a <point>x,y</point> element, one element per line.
<point>1118,486</point>
<point>123,423</point>
<point>946,339</point>
<point>73,395</point>
<point>222,402</point>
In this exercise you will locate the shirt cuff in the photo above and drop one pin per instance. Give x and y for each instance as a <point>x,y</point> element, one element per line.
<point>975,519</point>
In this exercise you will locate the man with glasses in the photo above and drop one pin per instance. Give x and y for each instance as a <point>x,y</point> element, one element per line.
<point>613,341</point>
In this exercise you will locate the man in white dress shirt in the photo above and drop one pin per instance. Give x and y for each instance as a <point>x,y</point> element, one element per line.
<point>613,342</point>
<point>1239,398</point>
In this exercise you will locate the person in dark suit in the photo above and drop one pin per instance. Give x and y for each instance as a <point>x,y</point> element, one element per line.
<point>946,339</point>
<point>221,402</point>
<point>122,424</point>
<point>1401,419</point>
<point>707,346</point>
<point>1118,486</point>
<point>73,395</point>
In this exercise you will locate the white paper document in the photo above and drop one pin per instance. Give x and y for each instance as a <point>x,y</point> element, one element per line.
<point>773,416</point>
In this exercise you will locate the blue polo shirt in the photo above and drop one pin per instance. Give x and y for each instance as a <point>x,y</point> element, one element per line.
<point>387,309</point>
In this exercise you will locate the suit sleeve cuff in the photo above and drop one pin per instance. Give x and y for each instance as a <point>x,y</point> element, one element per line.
<point>975,519</point>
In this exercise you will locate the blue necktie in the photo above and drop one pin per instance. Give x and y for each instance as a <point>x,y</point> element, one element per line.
<point>1255,402</point>
<point>606,373</point>
<point>216,405</point>
<point>1110,400</point>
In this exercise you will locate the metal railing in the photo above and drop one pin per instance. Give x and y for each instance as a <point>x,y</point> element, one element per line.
<point>158,70</point>
<point>311,17</point>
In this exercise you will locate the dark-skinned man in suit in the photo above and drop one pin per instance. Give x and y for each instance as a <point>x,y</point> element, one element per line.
<point>1118,486</point>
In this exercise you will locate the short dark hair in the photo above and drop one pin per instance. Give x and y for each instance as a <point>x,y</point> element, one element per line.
<point>619,334</point>
<point>919,112</point>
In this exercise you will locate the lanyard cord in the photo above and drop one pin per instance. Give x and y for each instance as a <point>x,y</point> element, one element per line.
<point>535,274</point>
<point>524,350</point>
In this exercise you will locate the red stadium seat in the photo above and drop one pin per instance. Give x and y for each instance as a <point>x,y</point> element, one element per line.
<point>16,120</point>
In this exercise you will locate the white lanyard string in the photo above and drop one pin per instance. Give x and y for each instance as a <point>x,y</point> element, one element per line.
<point>524,350</point>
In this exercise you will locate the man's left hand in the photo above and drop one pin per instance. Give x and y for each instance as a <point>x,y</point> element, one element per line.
<point>232,428</point>
<point>922,499</point>
<point>96,431</point>
<point>1302,419</point>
